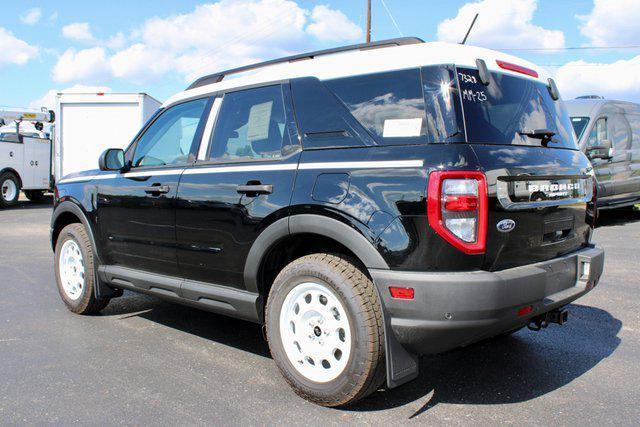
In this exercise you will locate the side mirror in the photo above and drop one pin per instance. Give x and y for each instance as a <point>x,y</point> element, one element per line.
<point>602,151</point>
<point>112,159</point>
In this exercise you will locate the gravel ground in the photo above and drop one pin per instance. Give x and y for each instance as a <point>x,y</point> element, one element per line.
<point>144,361</point>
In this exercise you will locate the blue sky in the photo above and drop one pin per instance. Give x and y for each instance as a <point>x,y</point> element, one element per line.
<point>159,46</point>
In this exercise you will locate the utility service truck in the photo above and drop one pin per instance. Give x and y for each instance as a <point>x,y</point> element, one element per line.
<point>85,125</point>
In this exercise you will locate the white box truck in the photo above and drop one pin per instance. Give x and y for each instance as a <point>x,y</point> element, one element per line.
<point>89,123</point>
<point>85,125</point>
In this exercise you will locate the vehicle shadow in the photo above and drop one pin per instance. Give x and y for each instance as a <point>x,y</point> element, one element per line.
<point>243,335</point>
<point>622,216</point>
<point>503,370</point>
<point>509,369</point>
<point>23,203</point>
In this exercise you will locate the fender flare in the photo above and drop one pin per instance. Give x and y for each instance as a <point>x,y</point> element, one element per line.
<point>102,289</point>
<point>311,224</point>
<point>69,206</point>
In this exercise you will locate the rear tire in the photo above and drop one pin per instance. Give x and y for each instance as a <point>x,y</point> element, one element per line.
<point>9,189</point>
<point>75,271</point>
<point>325,330</point>
<point>34,195</point>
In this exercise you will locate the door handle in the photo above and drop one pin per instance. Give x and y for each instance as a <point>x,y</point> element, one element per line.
<point>255,189</point>
<point>157,189</point>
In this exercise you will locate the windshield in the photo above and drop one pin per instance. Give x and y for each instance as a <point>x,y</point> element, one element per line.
<point>579,125</point>
<point>512,111</point>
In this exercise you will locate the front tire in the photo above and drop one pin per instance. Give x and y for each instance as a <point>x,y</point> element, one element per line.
<point>325,330</point>
<point>75,271</point>
<point>9,189</point>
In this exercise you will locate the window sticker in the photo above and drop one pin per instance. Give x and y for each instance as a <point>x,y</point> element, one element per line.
<point>259,119</point>
<point>399,128</point>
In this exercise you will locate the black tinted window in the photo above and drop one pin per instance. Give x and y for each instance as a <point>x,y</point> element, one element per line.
<point>389,105</point>
<point>634,122</point>
<point>251,125</point>
<point>598,133</point>
<point>509,106</point>
<point>621,135</point>
<point>579,125</point>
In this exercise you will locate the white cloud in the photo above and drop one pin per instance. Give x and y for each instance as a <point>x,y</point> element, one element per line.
<point>612,22</point>
<point>618,80</point>
<point>13,50</point>
<point>48,100</point>
<point>78,31</point>
<point>210,38</point>
<point>87,65</point>
<point>31,16</point>
<point>332,25</point>
<point>500,24</point>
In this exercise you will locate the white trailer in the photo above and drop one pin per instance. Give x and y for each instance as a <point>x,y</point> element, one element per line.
<point>25,154</point>
<point>89,123</point>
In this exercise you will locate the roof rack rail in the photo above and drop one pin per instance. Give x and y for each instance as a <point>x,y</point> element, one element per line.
<point>217,77</point>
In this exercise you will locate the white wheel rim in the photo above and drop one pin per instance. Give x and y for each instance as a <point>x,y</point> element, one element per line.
<point>315,332</point>
<point>71,266</point>
<point>9,189</point>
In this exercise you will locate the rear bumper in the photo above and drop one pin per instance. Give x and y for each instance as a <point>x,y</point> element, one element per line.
<point>455,309</point>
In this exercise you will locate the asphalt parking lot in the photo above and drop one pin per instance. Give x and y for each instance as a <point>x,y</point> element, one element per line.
<point>144,361</point>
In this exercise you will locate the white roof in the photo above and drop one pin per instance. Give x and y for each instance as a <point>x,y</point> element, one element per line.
<point>357,62</point>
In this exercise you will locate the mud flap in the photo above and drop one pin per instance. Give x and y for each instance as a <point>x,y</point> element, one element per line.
<point>402,366</point>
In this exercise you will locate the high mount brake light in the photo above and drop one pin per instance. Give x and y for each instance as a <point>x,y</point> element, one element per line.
<point>517,68</point>
<point>457,208</point>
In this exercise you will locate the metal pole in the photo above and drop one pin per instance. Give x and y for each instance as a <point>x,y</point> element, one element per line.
<point>368,21</point>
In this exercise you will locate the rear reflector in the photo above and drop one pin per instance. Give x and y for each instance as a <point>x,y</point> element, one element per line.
<point>525,310</point>
<point>401,293</point>
<point>517,68</point>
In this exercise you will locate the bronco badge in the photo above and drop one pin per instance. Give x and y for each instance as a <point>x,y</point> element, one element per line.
<point>506,225</point>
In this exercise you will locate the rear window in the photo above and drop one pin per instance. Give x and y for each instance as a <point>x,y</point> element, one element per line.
<point>579,125</point>
<point>510,106</point>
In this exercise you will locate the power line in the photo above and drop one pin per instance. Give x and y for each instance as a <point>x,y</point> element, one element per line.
<point>633,46</point>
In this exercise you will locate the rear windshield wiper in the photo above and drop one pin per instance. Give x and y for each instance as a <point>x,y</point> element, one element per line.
<point>544,135</point>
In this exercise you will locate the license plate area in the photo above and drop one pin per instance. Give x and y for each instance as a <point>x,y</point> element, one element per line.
<point>531,192</point>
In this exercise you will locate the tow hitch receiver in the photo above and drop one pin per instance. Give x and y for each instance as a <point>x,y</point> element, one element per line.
<point>558,316</point>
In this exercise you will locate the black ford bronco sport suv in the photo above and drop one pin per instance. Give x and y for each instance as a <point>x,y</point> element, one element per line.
<point>368,204</point>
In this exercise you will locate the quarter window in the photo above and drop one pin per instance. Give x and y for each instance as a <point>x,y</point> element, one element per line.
<point>389,105</point>
<point>169,138</point>
<point>251,125</point>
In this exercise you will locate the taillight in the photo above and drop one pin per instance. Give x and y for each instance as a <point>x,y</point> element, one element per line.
<point>457,208</point>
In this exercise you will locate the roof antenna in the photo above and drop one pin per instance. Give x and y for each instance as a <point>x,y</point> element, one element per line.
<point>469,30</point>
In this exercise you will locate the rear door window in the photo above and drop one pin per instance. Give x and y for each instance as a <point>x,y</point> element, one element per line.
<point>251,125</point>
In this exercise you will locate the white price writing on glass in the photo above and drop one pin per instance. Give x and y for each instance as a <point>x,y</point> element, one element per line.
<point>474,95</point>
<point>467,78</point>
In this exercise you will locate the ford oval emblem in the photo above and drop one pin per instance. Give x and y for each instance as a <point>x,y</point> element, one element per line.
<point>506,225</point>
